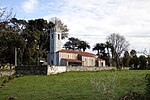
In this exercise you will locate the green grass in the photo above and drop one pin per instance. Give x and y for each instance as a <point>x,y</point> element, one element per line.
<point>71,85</point>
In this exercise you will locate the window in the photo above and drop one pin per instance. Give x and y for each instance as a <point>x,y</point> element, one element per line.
<point>52,36</point>
<point>101,63</point>
<point>52,62</point>
<point>58,36</point>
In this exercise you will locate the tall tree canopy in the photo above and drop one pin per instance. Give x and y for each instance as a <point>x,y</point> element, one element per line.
<point>27,36</point>
<point>9,37</point>
<point>119,45</point>
<point>76,44</point>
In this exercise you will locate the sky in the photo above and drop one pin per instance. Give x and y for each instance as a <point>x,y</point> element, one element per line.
<point>92,20</point>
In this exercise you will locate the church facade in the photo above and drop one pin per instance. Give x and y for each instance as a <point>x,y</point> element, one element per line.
<point>59,57</point>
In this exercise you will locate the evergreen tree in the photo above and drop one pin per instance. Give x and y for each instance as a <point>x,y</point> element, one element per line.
<point>126,59</point>
<point>142,62</point>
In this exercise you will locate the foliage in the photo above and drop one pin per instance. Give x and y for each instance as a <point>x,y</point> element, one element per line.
<point>119,45</point>
<point>105,88</point>
<point>134,62</point>
<point>76,44</point>
<point>126,59</point>
<point>26,36</point>
<point>148,61</point>
<point>132,96</point>
<point>100,47</point>
<point>83,45</point>
<point>36,33</point>
<point>97,48</point>
<point>9,39</point>
<point>142,62</point>
<point>133,53</point>
<point>147,77</point>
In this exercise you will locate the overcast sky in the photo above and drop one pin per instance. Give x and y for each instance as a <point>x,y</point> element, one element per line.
<point>92,20</point>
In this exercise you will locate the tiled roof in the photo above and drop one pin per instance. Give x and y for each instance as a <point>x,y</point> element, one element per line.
<point>78,52</point>
<point>99,59</point>
<point>72,60</point>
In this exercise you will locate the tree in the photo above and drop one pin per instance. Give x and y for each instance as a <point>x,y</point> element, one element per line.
<point>134,61</point>
<point>63,28</point>
<point>119,45</point>
<point>37,34</point>
<point>83,45</point>
<point>97,48</point>
<point>142,62</point>
<point>76,44</point>
<point>108,47</point>
<point>126,59</point>
<point>5,14</point>
<point>100,48</point>
<point>9,38</point>
<point>133,53</point>
<point>72,43</point>
<point>101,52</point>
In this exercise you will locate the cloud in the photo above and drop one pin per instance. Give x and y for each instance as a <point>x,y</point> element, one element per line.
<point>29,5</point>
<point>129,18</point>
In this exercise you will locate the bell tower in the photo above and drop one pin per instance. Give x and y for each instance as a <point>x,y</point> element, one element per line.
<point>55,43</point>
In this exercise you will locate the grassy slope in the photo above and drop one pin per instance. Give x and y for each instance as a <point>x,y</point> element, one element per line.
<point>71,85</point>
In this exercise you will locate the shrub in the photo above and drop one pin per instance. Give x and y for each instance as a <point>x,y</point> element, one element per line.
<point>105,87</point>
<point>147,77</point>
<point>131,95</point>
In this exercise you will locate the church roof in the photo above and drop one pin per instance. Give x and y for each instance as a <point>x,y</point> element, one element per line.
<point>82,53</point>
<point>72,60</point>
<point>98,59</point>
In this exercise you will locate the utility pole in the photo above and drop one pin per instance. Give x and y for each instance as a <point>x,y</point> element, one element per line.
<point>15,56</point>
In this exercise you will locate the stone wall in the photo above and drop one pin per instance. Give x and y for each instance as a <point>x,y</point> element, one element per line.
<point>61,69</point>
<point>33,69</point>
<point>7,73</point>
<point>81,68</point>
<point>47,70</point>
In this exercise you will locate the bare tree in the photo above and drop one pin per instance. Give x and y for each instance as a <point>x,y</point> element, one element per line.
<point>5,14</point>
<point>119,45</point>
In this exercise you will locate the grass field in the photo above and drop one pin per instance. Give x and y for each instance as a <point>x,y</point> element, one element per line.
<point>73,85</point>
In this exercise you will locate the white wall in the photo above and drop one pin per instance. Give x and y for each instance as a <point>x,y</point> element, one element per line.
<point>61,69</point>
<point>101,63</point>
<point>88,61</point>
<point>55,69</point>
<point>68,55</point>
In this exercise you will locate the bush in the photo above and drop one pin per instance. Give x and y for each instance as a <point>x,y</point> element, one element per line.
<point>131,95</point>
<point>147,77</point>
<point>105,88</point>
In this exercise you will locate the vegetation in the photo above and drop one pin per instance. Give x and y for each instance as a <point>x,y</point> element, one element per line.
<point>29,38</point>
<point>76,44</point>
<point>75,85</point>
<point>119,45</point>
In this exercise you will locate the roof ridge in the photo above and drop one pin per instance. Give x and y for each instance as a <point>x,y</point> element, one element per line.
<point>77,52</point>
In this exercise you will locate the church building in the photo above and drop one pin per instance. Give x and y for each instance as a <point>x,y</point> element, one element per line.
<point>61,57</point>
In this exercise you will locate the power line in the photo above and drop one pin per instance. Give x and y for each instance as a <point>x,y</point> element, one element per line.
<point>141,36</point>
